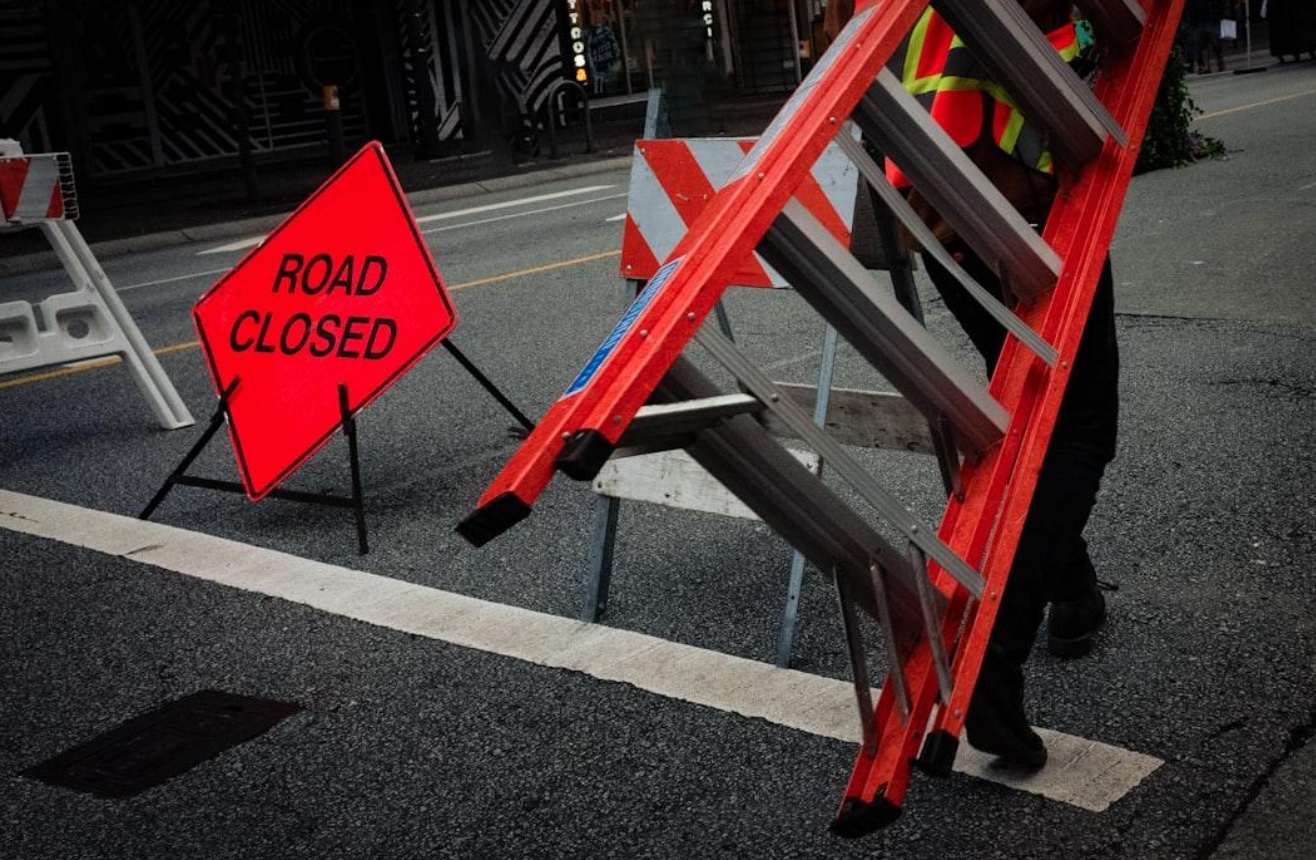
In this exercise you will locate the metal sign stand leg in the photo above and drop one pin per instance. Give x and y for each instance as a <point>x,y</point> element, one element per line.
<point>180,471</point>
<point>356,502</point>
<point>488,385</point>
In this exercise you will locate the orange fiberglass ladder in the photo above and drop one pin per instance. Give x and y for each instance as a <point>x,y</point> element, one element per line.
<point>935,594</point>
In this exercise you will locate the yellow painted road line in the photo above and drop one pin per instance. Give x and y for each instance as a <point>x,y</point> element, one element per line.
<point>83,367</point>
<point>549,267</point>
<point>1226,111</point>
<point>192,344</point>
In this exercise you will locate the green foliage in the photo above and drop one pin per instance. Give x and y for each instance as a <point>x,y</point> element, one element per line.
<point>1171,140</point>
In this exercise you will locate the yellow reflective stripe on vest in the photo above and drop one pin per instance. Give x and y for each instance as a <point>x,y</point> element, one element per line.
<point>926,88</point>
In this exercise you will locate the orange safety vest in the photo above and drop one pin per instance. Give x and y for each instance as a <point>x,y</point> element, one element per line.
<point>938,70</point>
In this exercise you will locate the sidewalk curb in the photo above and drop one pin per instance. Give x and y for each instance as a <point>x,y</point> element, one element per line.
<point>41,261</point>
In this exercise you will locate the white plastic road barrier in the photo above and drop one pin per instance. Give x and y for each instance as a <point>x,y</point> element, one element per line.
<point>90,322</point>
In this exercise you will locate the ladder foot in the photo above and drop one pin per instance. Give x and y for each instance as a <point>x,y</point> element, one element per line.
<point>584,455</point>
<point>491,520</point>
<point>938,754</point>
<point>857,818</point>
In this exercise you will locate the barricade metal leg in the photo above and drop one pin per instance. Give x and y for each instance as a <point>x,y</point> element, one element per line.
<point>823,400</point>
<point>607,510</point>
<point>594,604</point>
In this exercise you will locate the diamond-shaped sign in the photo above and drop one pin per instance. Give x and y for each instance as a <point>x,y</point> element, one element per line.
<point>344,292</point>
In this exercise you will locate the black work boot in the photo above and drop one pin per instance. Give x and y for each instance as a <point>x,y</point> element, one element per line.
<point>1073,624</point>
<point>996,723</point>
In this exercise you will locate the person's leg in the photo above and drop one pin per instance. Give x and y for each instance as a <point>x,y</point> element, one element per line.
<point>1195,48</point>
<point>1052,559</point>
<point>1051,562</point>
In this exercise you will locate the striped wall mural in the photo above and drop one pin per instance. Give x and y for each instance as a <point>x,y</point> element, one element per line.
<point>520,47</point>
<point>150,83</point>
<point>157,78</point>
<point>26,77</point>
<point>440,32</point>
<point>285,109</point>
<point>521,41</point>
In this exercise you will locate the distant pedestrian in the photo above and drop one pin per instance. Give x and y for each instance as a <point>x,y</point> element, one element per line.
<point>1292,28</point>
<point>1204,19</point>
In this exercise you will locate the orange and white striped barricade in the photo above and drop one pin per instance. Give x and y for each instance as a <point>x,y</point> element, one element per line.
<point>671,182</point>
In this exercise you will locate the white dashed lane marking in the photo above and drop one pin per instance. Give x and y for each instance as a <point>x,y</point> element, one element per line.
<point>252,241</point>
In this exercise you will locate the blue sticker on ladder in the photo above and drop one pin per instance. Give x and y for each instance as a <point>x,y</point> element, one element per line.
<point>623,327</point>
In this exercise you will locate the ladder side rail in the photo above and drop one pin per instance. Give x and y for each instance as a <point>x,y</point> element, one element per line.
<point>1082,226</point>
<point>731,227</point>
<point>577,432</point>
<point>1091,208</point>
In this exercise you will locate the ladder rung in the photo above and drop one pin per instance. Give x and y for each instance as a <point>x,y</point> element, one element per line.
<point>873,321</point>
<point>665,420</point>
<point>758,384</point>
<point>791,500</point>
<point>865,419</point>
<point>900,208</point>
<point>1118,22</point>
<point>955,187</point>
<point>1020,58</point>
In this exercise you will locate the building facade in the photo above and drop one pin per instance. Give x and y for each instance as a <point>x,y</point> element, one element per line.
<point>138,88</point>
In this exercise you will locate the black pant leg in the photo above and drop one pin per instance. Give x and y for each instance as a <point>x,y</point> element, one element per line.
<point>1051,563</point>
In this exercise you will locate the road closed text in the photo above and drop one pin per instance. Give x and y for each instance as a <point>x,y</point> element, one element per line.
<point>320,333</point>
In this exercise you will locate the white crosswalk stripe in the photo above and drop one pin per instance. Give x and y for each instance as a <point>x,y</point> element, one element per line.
<point>1083,773</point>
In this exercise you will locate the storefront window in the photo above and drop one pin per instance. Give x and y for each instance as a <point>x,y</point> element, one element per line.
<point>603,41</point>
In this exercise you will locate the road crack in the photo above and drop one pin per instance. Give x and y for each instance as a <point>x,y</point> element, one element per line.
<point>1299,735</point>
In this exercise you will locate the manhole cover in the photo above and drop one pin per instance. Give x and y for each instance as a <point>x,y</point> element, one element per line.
<point>147,750</point>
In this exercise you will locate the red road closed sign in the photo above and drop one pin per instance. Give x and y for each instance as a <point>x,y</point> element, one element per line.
<point>344,292</point>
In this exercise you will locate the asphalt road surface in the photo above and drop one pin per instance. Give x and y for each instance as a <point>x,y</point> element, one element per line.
<point>451,707</point>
